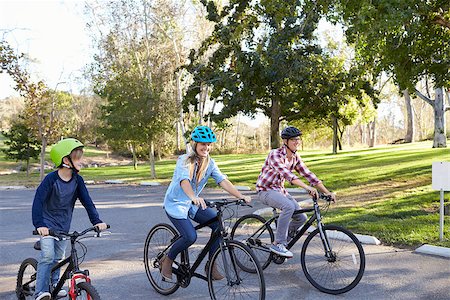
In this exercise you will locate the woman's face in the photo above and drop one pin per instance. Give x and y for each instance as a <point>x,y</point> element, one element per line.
<point>203,149</point>
<point>294,143</point>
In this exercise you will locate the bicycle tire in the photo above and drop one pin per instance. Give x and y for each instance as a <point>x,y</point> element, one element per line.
<point>335,275</point>
<point>243,231</point>
<point>86,291</point>
<point>158,238</point>
<point>239,283</point>
<point>26,278</point>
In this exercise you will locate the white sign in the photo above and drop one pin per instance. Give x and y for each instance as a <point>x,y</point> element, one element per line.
<point>441,176</point>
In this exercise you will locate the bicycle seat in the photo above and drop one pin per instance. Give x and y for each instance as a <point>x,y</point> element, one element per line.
<point>37,245</point>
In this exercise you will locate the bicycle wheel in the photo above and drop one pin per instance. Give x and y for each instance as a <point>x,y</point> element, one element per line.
<point>339,272</point>
<point>238,283</point>
<point>252,231</point>
<point>26,278</point>
<point>159,237</point>
<point>85,291</point>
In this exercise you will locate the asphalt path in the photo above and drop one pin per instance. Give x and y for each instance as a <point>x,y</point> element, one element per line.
<point>116,261</point>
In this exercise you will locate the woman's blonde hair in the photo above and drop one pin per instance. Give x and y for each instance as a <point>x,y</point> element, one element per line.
<point>191,158</point>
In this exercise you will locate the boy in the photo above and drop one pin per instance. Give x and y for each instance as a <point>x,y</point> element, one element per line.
<point>53,208</point>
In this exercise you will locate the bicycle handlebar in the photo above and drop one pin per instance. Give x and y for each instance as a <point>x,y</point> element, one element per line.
<point>327,198</point>
<point>73,234</point>
<point>225,202</point>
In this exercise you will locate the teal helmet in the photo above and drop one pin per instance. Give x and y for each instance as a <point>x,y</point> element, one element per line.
<point>203,134</point>
<point>63,148</point>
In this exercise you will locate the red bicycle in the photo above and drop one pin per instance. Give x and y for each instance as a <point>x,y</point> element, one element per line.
<point>80,286</point>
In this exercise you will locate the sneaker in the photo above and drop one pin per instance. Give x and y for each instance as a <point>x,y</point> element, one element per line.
<point>281,250</point>
<point>44,296</point>
<point>62,293</point>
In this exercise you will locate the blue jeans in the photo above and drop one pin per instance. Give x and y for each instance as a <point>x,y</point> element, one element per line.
<point>52,251</point>
<point>188,233</point>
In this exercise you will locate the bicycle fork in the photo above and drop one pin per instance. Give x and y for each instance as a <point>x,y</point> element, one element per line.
<point>323,236</point>
<point>77,278</point>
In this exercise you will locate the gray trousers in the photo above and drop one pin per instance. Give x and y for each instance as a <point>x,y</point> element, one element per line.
<point>287,205</point>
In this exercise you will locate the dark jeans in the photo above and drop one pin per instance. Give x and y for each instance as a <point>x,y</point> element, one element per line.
<point>188,233</point>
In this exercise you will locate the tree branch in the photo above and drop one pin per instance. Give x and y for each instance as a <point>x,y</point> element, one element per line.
<point>424,98</point>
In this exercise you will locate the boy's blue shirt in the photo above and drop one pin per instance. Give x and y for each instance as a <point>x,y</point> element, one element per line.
<point>55,199</point>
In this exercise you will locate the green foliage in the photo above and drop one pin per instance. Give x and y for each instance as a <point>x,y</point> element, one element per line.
<point>265,58</point>
<point>408,38</point>
<point>21,144</point>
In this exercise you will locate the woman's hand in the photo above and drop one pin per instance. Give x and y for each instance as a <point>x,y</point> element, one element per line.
<point>247,199</point>
<point>199,202</point>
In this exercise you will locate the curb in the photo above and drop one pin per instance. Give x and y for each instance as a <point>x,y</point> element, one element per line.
<point>12,187</point>
<point>150,183</point>
<point>434,250</point>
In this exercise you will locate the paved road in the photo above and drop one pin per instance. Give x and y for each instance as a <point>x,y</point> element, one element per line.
<point>117,268</point>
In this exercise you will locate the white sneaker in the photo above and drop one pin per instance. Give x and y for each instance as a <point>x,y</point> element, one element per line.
<point>44,296</point>
<point>62,293</point>
<point>281,250</point>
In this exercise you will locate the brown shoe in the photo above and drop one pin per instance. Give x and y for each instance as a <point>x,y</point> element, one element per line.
<point>166,268</point>
<point>215,274</point>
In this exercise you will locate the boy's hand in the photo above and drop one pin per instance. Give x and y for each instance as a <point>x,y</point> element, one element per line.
<point>101,226</point>
<point>43,231</point>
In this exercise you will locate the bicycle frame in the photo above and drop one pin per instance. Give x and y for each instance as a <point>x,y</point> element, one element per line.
<point>185,271</point>
<point>72,272</point>
<point>314,217</point>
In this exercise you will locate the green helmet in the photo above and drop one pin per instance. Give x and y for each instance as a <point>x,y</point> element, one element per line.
<point>62,149</point>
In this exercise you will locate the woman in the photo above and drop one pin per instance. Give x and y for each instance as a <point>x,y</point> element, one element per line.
<point>182,197</point>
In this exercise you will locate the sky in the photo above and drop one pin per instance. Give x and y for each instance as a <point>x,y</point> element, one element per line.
<point>53,33</point>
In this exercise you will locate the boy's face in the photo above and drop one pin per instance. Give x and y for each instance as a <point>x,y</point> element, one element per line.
<point>77,162</point>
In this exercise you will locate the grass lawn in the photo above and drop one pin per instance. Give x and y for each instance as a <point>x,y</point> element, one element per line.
<point>384,191</point>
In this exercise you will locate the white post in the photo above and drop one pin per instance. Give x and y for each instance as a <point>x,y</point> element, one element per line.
<point>441,182</point>
<point>441,217</point>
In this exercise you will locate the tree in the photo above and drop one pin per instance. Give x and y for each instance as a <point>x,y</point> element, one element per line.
<point>134,73</point>
<point>408,39</point>
<point>47,112</point>
<point>265,58</point>
<point>22,145</point>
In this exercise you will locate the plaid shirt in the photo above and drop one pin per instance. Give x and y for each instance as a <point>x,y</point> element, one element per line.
<point>277,169</point>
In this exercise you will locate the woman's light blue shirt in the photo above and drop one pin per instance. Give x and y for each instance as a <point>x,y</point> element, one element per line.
<point>176,203</point>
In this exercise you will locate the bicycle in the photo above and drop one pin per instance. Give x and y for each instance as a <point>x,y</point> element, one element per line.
<point>80,286</point>
<point>233,259</point>
<point>332,258</point>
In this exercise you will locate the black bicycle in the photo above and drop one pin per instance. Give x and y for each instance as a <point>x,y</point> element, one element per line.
<point>80,287</point>
<point>332,257</point>
<point>243,276</point>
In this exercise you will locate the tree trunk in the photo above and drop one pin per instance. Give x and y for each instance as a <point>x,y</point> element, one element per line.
<point>275,124</point>
<point>335,135</point>
<point>440,139</point>
<point>152,160</point>
<point>133,153</point>
<point>237,132</point>
<point>44,145</point>
<point>409,138</point>
<point>372,133</point>
<point>180,116</point>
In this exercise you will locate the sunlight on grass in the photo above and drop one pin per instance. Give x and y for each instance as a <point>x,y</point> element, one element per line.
<point>383,191</point>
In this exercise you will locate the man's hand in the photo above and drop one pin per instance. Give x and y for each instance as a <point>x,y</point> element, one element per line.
<point>101,226</point>
<point>313,192</point>
<point>43,231</point>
